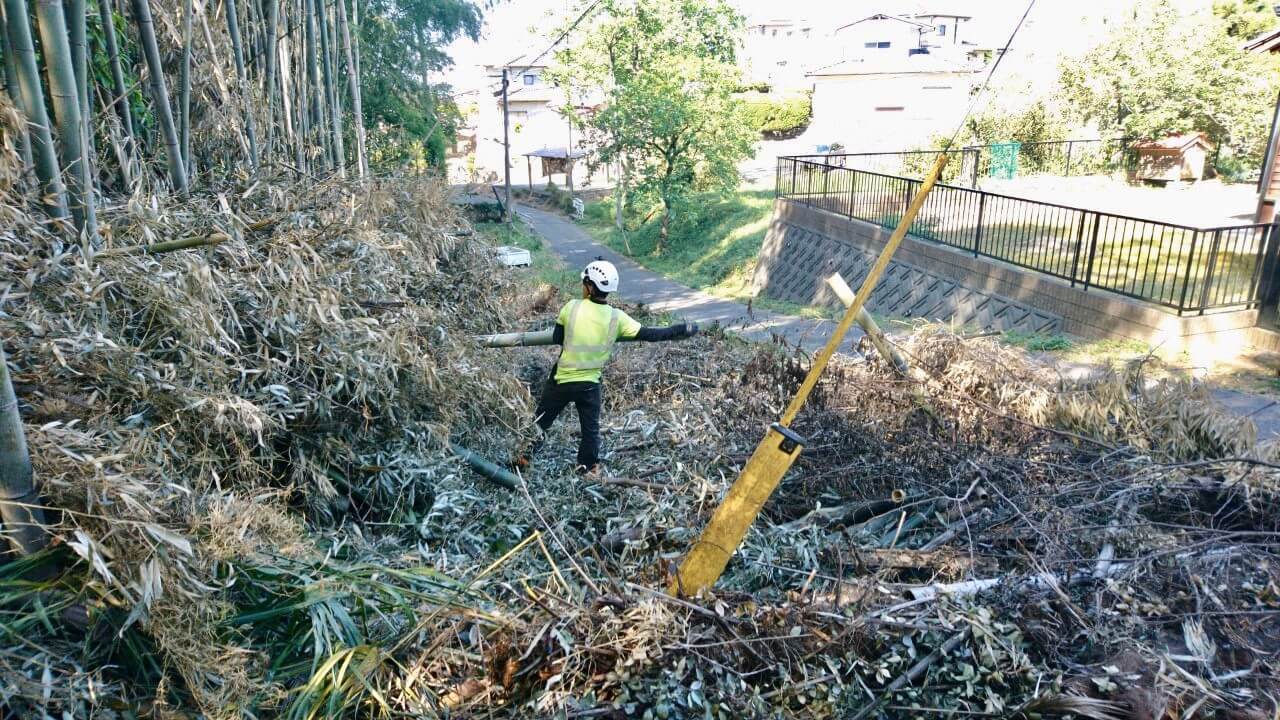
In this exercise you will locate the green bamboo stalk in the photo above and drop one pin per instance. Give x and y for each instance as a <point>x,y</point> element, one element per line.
<point>11,89</point>
<point>271,51</point>
<point>65,97</point>
<point>160,94</point>
<point>330,89</point>
<point>242,85</point>
<point>77,15</point>
<point>353,79</point>
<point>315,91</point>
<point>30,99</point>
<point>184,89</point>
<point>20,510</point>
<point>107,14</point>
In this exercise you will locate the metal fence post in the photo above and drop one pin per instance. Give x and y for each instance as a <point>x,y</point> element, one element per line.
<point>1208,273</point>
<point>977,235</point>
<point>853,191</point>
<point>973,173</point>
<point>1075,261</point>
<point>1093,249</point>
<point>1186,280</point>
<point>795,165</point>
<point>1070,144</point>
<point>1269,280</point>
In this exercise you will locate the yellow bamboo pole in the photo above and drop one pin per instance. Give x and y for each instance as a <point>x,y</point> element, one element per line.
<point>780,447</point>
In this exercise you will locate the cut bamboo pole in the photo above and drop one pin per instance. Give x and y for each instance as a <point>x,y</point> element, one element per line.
<point>490,471</point>
<point>30,99</point>
<point>868,324</point>
<point>353,79</point>
<point>533,338</point>
<point>330,93</point>
<point>168,246</point>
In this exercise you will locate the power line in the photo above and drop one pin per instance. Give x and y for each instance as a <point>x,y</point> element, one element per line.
<point>563,35</point>
<point>977,97</point>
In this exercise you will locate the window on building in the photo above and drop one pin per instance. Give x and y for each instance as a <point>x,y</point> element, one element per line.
<point>877,45</point>
<point>937,87</point>
<point>942,29</point>
<point>530,79</point>
<point>775,32</point>
<point>918,51</point>
<point>805,32</point>
<point>889,108</point>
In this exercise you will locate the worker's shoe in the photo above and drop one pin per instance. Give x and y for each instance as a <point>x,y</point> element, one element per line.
<point>595,472</point>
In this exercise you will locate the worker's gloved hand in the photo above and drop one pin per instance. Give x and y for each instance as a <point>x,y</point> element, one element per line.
<point>685,329</point>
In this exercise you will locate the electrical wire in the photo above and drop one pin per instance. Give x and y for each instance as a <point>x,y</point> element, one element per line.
<point>563,35</point>
<point>978,97</point>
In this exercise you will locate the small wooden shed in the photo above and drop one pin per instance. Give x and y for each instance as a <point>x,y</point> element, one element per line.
<point>1171,159</point>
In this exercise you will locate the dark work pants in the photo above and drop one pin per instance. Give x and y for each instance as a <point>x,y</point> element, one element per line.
<point>586,397</point>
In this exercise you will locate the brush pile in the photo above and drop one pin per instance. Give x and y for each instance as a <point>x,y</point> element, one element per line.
<point>243,447</point>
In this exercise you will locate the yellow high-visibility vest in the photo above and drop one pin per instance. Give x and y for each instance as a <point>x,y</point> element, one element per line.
<point>590,331</point>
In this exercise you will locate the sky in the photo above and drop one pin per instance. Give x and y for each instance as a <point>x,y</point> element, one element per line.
<point>1053,28</point>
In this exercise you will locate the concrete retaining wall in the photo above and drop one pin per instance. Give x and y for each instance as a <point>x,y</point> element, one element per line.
<point>804,245</point>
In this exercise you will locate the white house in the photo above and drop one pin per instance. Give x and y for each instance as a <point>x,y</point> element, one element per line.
<point>879,34</point>
<point>775,51</point>
<point>889,102</point>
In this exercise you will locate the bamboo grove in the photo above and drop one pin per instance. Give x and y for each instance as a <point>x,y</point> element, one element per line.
<point>122,96</point>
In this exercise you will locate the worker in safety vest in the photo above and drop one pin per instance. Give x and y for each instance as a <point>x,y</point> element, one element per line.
<point>586,331</point>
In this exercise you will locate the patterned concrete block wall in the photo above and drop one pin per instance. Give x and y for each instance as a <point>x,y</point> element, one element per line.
<point>805,245</point>
<point>795,261</point>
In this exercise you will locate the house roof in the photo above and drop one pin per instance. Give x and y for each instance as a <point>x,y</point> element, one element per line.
<point>883,16</point>
<point>1175,142</point>
<point>1267,42</point>
<point>880,64</point>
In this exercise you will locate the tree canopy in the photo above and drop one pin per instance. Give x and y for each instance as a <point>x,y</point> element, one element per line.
<point>1160,71</point>
<point>662,74</point>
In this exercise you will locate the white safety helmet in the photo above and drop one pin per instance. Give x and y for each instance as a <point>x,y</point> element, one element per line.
<point>603,275</point>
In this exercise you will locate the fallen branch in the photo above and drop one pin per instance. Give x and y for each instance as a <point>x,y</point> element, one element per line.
<point>913,673</point>
<point>163,247</point>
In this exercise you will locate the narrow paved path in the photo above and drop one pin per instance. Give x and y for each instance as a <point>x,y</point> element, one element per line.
<point>662,295</point>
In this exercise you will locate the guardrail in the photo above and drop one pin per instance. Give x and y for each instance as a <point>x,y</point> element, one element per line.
<point>1187,269</point>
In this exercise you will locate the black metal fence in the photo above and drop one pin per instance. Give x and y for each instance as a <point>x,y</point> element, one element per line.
<point>1187,269</point>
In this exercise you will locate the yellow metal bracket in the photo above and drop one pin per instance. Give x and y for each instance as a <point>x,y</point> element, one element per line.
<point>781,446</point>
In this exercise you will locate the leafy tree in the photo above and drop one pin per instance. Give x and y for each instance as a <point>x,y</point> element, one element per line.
<point>1246,19</point>
<point>666,74</point>
<point>1160,71</point>
<point>401,43</point>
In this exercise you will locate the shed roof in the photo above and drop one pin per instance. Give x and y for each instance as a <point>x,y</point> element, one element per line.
<point>1265,43</point>
<point>557,152</point>
<point>1175,142</point>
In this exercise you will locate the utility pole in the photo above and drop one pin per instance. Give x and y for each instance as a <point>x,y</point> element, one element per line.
<point>506,149</point>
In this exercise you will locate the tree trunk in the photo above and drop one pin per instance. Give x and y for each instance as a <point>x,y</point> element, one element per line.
<point>65,98</point>
<point>184,89</point>
<point>160,94</point>
<point>12,90</point>
<point>620,195</point>
<point>269,56</point>
<point>330,89</point>
<point>666,223</point>
<point>353,79</point>
<point>30,99</point>
<point>242,82</point>
<point>121,94</point>
<point>20,508</point>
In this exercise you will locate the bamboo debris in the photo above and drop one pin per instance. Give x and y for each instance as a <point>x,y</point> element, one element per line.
<point>868,324</point>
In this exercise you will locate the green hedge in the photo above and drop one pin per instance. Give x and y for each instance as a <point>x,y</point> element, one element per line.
<point>777,117</point>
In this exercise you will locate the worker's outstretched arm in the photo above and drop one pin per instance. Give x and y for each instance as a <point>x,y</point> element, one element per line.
<point>671,332</point>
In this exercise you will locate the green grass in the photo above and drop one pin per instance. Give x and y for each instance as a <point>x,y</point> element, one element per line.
<point>712,246</point>
<point>1037,342</point>
<point>547,267</point>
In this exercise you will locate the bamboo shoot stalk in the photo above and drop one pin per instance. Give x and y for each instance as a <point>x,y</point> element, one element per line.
<point>30,99</point>
<point>20,511</point>
<point>330,93</point>
<point>65,95</point>
<point>160,94</point>
<point>353,79</point>
<point>242,82</point>
<point>184,87</point>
